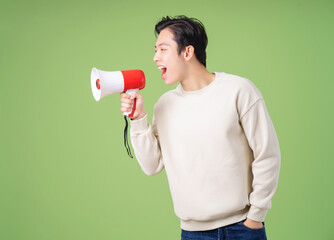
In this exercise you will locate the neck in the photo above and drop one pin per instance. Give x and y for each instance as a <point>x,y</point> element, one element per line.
<point>197,77</point>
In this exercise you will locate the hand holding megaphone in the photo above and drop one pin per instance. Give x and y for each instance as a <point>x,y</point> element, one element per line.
<point>127,102</point>
<point>104,83</point>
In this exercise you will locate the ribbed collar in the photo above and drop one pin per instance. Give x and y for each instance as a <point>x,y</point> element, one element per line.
<point>180,89</point>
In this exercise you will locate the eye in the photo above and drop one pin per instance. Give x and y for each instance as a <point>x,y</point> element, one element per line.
<point>160,49</point>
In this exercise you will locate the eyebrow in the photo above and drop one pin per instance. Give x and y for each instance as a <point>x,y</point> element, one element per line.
<point>165,44</point>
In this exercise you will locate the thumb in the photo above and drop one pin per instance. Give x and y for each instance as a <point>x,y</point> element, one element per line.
<point>133,96</point>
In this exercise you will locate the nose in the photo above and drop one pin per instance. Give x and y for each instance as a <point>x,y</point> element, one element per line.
<point>156,57</point>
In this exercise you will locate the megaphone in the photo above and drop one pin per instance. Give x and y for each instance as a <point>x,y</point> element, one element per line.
<point>104,83</point>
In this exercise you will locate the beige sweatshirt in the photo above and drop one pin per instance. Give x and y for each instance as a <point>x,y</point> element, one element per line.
<point>219,148</point>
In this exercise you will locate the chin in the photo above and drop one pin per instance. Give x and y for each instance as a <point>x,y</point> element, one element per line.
<point>170,82</point>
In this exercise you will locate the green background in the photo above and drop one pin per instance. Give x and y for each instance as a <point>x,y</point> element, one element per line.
<point>64,172</point>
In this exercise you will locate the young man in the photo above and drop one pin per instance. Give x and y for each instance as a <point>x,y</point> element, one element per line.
<point>212,134</point>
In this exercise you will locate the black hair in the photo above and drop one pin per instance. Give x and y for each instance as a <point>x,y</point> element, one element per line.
<point>187,31</point>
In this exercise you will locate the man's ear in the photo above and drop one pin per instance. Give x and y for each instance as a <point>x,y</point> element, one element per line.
<point>188,52</point>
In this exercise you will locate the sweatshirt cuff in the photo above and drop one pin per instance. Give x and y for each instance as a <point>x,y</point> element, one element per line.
<point>139,126</point>
<point>257,214</point>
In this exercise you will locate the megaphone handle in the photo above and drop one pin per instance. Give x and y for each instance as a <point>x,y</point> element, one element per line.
<point>129,92</point>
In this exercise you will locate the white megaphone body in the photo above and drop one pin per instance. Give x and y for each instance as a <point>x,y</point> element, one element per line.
<point>104,83</point>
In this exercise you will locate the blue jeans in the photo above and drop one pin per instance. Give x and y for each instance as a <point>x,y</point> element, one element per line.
<point>236,231</point>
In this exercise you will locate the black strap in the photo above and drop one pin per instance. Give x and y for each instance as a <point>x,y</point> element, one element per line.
<point>126,143</point>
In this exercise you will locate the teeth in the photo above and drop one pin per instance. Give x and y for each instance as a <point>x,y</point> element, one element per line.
<point>161,67</point>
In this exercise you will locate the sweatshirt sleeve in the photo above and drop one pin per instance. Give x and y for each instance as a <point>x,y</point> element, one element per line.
<point>262,139</point>
<point>145,142</point>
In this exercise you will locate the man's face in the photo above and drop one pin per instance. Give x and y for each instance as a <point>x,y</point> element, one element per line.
<point>166,57</point>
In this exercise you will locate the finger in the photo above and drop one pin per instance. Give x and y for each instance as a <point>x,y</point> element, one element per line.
<point>124,109</point>
<point>124,95</point>
<point>126,105</point>
<point>125,100</point>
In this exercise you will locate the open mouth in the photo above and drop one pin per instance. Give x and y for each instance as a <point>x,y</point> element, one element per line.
<point>163,72</point>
